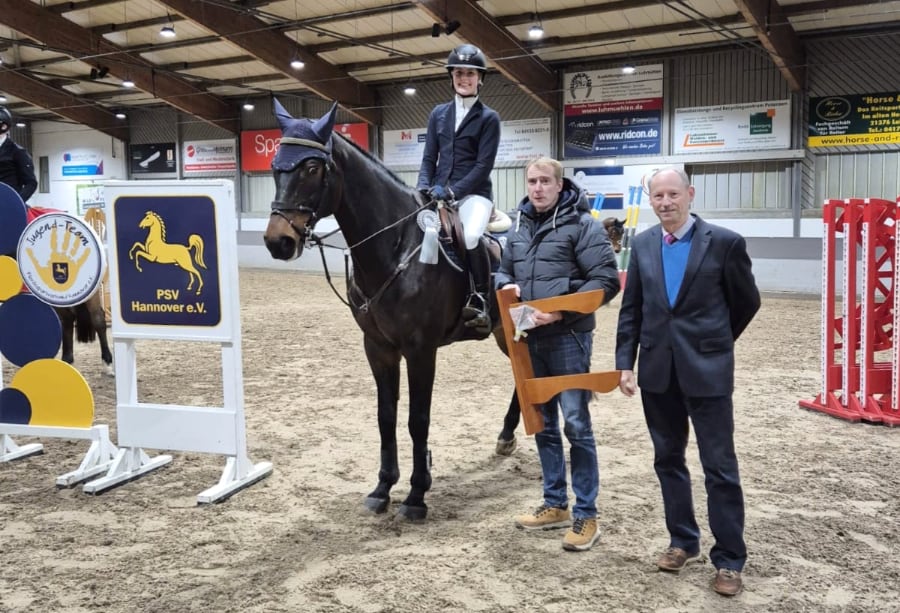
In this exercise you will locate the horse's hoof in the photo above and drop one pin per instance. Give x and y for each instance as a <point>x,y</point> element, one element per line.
<point>376,505</point>
<point>506,448</point>
<point>412,513</point>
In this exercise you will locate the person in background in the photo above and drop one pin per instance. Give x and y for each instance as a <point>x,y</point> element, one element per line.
<point>16,165</point>
<point>557,247</point>
<point>689,294</point>
<point>461,144</point>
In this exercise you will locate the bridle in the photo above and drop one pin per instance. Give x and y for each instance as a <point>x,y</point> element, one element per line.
<point>305,233</point>
<point>279,207</point>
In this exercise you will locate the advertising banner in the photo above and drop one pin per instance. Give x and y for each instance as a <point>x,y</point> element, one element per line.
<point>616,187</point>
<point>609,113</point>
<point>520,140</point>
<point>82,163</point>
<point>203,156</point>
<point>523,140</point>
<point>733,127</point>
<point>404,147</point>
<point>856,119</point>
<point>258,147</point>
<point>152,158</point>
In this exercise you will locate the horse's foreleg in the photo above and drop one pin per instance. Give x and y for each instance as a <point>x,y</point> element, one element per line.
<point>506,442</point>
<point>99,321</point>
<point>142,254</point>
<point>68,330</point>
<point>385,364</point>
<point>133,247</point>
<point>420,372</point>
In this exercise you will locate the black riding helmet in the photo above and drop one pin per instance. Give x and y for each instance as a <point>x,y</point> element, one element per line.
<point>467,56</point>
<point>5,118</point>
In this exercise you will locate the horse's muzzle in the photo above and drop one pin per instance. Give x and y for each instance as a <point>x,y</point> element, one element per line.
<point>283,247</point>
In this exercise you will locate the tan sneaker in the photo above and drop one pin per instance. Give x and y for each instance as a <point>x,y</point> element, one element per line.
<point>582,535</point>
<point>544,518</point>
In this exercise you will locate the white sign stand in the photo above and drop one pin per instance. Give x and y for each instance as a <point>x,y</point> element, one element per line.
<point>97,460</point>
<point>208,208</point>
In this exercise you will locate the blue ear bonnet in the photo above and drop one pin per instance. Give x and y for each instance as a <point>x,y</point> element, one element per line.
<point>302,138</point>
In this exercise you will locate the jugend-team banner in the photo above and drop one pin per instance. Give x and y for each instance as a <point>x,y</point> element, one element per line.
<point>857,119</point>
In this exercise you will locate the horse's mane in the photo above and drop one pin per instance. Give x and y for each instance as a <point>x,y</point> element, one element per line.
<point>162,224</point>
<point>384,170</point>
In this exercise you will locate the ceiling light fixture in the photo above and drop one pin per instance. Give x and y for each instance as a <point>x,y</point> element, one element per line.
<point>451,27</point>
<point>248,106</point>
<point>127,83</point>
<point>168,30</point>
<point>628,69</point>
<point>537,30</point>
<point>120,115</point>
<point>20,124</point>
<point>409,90</point>
<point>297,63</point>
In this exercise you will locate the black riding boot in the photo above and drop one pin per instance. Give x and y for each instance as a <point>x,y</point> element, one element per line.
<point>476,313</point>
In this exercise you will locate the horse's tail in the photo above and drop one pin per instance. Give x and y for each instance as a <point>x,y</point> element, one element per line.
<point>84,325</point>
<point>194,241</point>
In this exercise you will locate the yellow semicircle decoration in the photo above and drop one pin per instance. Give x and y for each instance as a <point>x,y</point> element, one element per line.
<point>58,393</point>
<point>10,278</point>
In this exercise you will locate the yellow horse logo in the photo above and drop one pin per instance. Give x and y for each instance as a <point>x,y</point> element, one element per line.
<point>156,249</point>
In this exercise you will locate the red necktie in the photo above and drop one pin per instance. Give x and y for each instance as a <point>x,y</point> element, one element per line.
<point>670,238</point>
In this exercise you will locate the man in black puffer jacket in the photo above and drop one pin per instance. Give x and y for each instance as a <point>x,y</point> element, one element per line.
<point>554,248</point>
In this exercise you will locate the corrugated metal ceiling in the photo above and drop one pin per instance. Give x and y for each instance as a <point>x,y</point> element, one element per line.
<point>356,45</point>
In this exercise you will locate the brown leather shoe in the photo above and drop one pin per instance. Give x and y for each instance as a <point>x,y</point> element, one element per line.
<point>728,582</point>
<point>674,559</point>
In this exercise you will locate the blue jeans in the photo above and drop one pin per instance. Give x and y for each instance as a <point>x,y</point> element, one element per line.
<point>567,354</point>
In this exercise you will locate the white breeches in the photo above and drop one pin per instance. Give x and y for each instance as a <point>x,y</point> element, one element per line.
<point>474,214</point>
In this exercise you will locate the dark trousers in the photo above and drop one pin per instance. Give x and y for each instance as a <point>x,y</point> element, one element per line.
<point>667,417</point>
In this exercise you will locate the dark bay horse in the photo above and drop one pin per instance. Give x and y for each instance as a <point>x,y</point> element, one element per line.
<point>406,309</point>
<point>88,321</point>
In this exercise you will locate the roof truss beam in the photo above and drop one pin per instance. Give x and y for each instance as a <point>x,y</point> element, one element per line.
<point>275,49</point>
<point>777,35</point>
<point>81,44</point>
<point>62,103</point>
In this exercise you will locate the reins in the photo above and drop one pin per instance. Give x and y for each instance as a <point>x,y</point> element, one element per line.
<point>319,241</point>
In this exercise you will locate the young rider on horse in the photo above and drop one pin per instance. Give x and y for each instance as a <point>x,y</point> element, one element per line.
<point>460,146</point>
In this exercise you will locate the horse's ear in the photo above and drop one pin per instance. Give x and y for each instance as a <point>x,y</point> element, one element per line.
<point>284,118</point>
<point>324,125</point>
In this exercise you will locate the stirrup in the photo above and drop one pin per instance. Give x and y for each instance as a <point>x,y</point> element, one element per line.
<point>475,313</point>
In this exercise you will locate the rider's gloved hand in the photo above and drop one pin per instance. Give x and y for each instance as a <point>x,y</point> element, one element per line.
<point>426,194</point>
<point>441,192</point>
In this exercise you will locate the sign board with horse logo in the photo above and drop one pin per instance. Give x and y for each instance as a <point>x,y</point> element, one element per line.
<point>173,250</point>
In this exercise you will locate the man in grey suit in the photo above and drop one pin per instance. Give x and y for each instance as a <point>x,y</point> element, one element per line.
<point>689,293</point>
